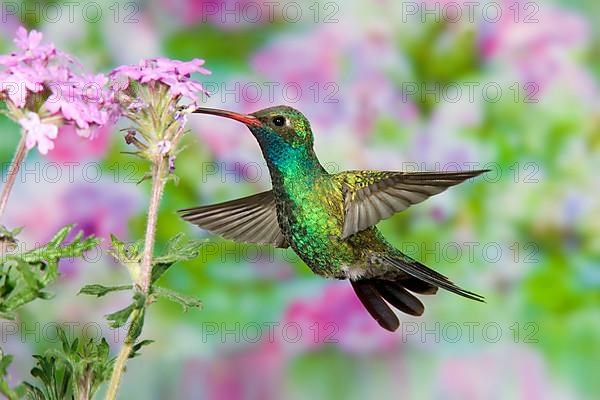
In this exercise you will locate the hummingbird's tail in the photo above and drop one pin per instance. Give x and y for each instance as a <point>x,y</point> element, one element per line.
<point>417,278</point>
<point>425,274</point>
<point>372,292</point>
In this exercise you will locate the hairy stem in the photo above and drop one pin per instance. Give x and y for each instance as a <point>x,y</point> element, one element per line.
<point>118,369</point>
<point>159,169</point>
<point>158,184</point>
<point>13,171</point>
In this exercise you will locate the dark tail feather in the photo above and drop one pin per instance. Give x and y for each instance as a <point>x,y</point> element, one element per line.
<point>375,305</point>
<point>395,294</point>
<point>429,276</point>
<point>418,286</point>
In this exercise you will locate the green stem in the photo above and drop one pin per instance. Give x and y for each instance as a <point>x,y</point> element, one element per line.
<point>13,171</point>
<point>159,170</point>
<point>118,369</point>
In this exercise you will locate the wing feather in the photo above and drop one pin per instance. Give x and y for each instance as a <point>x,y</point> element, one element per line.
<point>371,196</point>
<point>251,219</point>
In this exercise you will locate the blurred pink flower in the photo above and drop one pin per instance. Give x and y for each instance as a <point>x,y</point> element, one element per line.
<point>71,147</point>
<point>337,77</point>
<point>228,140</point>
<point>226,14</point>
<point>306,72</point>
<point>369,92</point>
<point>539,44</point>
<point>9,23</point>
<point>501,372</point>
<point>100,209</point>
<point>337,317</point>
<point>254,373</point>
<point>28,41</point>
<point>315,57</point>
<point>95,207</point>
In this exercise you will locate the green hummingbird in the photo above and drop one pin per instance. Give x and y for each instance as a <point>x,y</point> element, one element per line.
<point>329,219</point>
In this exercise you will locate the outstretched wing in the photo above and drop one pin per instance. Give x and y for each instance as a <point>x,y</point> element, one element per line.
<point>251,219</point>
<point>370,196</point>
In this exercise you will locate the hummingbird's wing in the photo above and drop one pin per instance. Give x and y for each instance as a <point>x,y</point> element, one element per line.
<point>370,196</point>
<point>251,219</point>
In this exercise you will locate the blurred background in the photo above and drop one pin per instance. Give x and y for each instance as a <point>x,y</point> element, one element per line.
<point>507,85</point>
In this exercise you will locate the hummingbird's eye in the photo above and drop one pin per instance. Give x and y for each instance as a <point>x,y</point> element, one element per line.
<point>279,121</point>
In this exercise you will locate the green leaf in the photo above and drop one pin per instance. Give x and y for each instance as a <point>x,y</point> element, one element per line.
<point>185,301</point>
<point>128,254</point>
<point>119,318</point>
<point>15,393</point>
<point>76,370</point>
<point>178,249</point>
<point>137,318</point>
<point>136,347</point>
<point>100,290</point>
<point>24,276</point>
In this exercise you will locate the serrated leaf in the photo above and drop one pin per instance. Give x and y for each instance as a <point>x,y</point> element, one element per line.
<point>60,236</point>
<point>100,290</point>
<point>135,349</point>
<point>7,233</point>
<point>119,318</point>
<point>75,370</point>
<point>137,317</point>
<point>126,252</point>
<point>24,276</point>
<point>11,393</point>
<point>185,301</point>
<point>178,249</point>
<point>128,255</point>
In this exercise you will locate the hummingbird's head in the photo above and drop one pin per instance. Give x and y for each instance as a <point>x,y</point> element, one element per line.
<point>286,122</point>
<point>279,124</point>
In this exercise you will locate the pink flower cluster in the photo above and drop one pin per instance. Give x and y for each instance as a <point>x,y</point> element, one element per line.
<point>44,89</point>
<point>173,73</point>
<point>336,316</point>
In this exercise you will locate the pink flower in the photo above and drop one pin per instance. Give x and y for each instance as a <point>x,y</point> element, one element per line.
<point>18,84</point>
<point>164,146</point>
<point>226,14</point>
<point>339,78</point>
<point>71,146</point>
<point>254,372</point>
<point>307,73</point>
<point>64,94</point>
<point>96,207</point>
<point>337,317</point>
<point>175,74</point>
<point>182,67</point>
<point>540,46</point>
<point>38,133</point>
<point>26,41</point>
<point>505,372</point>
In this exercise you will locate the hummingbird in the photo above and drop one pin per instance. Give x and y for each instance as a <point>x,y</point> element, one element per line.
<point>329,220</point>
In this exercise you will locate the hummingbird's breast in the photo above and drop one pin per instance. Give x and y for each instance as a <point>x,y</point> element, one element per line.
<point>310,213</point>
